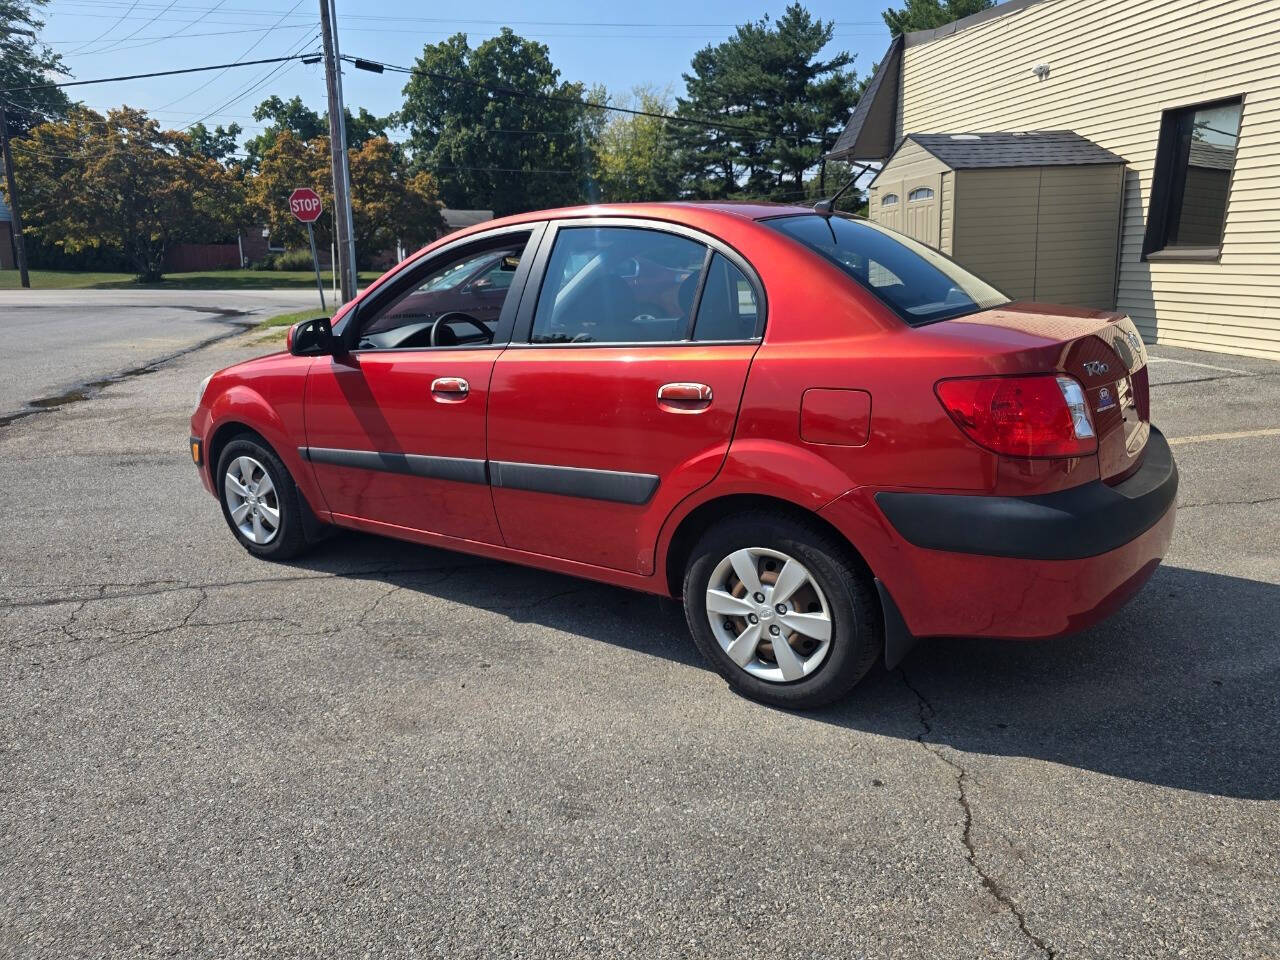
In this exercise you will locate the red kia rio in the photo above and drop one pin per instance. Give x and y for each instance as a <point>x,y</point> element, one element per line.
<point>825,437</point>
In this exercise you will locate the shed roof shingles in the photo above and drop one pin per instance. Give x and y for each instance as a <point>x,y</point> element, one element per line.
<point>1038,148</point>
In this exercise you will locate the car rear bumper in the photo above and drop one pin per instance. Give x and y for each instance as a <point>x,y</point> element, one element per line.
<point>1023,567</point>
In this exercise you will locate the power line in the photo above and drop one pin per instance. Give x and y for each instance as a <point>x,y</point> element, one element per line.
<point>112,44</point>
<point>179,35</point>
<point>157,73</point>
<point>393,18</point>
<point>244,53</point>
<point>152,41</point>
<point>123,17</point>
<point>253,85</point>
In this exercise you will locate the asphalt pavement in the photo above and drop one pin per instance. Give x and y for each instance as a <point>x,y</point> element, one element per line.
<point>65,342</point>
<point>386,750</point>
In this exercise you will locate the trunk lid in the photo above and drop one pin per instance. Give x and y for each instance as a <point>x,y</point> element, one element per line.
<point>1102,350</point>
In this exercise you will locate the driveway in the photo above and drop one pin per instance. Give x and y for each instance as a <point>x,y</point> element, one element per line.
<point>62,341</point>
<point>389,750</point>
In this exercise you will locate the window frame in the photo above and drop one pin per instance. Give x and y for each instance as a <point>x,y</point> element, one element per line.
<point>411,275</point>
<point>1168,181</point>
<point>523,330</point>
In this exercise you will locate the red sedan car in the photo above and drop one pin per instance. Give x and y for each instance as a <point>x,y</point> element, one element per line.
<point>827,438</point>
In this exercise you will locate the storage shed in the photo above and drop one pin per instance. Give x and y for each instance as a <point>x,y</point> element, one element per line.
<point>1036,213</point>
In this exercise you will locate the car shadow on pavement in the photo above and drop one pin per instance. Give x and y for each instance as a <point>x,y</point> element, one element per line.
<point>1181,688</point>
<point>637,621</point>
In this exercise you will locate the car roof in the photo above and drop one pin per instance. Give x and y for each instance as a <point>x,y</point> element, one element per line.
<point>681,211</point>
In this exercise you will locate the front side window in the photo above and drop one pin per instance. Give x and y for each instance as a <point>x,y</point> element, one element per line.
<point>618,285</point>
<point>920,193</point>
<point>457,303</point>
<point>917,282</point>
<point>1194,161</point>
<point>888,200</point>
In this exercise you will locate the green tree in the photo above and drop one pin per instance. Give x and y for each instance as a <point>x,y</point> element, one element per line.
<point>306,124</point>
<point>389,203</point>
<point>219,144</point>
<point>287,163</point>
<point>634,162</point>
<point>121,183</point>
<point>785,104</point>
<point>502,151</point>
<point>24,62</point>
<point>927,14</point>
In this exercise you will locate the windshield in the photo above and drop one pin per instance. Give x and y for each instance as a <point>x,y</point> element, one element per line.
<point>920,284</point>
<point>456,273</point>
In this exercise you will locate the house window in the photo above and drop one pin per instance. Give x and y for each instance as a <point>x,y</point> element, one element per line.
<point>920,193</point>
<point>1194,160</point>
<point>888,200</point>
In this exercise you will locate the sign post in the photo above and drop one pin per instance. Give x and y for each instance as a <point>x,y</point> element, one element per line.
<point>305,205</point>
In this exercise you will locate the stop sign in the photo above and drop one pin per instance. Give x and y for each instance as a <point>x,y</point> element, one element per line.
<point>304,203</point>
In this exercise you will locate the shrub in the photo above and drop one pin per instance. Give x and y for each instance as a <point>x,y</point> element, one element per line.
<point>292,260</point>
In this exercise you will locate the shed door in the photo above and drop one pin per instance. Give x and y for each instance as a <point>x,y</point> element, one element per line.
<point>887,204</point>
<point>921,206</point>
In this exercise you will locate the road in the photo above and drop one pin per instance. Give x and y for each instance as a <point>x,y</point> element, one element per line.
<point>386,750</point>
<point>59,341</point>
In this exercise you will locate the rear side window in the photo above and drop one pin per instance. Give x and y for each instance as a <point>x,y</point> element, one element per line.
<point>728,309</point>
<point>917,282</point>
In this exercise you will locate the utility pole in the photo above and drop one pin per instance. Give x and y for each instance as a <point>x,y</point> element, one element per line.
<point>19,245</point>
<point>343,226</point>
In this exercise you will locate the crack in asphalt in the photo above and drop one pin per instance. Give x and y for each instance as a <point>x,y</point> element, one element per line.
<point>178,586</point>
<point>989,883</point>
<point>91,388</point>
<point>1227,503</point>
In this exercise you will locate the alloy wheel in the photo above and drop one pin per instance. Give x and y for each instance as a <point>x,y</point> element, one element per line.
<point>252,500</point>
<point>769,615</point>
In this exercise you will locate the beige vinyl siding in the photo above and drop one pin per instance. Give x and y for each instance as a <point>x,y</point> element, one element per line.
<point>910,160</point>
<point>995,226</point>
<point>1115,66</point>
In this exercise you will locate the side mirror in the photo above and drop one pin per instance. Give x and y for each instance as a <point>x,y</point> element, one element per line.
<point>311,338</point>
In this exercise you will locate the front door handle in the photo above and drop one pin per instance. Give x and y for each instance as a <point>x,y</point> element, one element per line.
<point>450,389</point>
<point>684,397</point>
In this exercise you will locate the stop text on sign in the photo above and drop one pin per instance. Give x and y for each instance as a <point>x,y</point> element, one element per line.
<point>305,205</point>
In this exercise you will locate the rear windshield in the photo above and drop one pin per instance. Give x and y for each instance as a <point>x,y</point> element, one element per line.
<point>920,284</point>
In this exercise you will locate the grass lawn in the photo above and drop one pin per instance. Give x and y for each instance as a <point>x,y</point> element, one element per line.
<point>203,280</point>
<point>289,319</point>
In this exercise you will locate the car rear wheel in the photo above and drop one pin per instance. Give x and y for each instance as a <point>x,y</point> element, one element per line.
<point>782,610</point>
<point>259,499</point>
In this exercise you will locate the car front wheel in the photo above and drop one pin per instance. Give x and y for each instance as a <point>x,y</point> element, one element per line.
<point>259,500</point>
<point>782,610</point>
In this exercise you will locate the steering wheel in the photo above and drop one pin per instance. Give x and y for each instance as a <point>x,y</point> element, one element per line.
<point>457,315</point>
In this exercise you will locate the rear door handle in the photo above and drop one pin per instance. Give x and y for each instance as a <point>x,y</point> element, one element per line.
<point>684,397</point>
<point>450,389</point>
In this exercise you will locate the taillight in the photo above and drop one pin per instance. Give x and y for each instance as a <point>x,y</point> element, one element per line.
<point>1037,416</point>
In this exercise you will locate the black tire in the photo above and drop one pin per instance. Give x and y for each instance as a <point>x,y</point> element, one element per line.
<point>291,537</point>
<point>857,633</point>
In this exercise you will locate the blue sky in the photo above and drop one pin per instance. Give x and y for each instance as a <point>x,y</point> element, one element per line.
<point>618,45</point>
